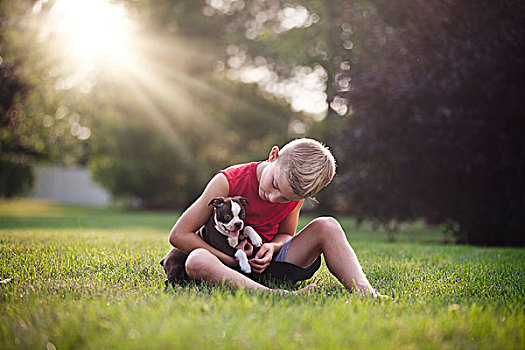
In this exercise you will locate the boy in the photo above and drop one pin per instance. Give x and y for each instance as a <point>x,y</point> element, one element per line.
<point>276,190</point>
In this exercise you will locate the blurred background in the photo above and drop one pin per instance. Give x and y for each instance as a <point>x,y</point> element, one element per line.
<point>140,102</point>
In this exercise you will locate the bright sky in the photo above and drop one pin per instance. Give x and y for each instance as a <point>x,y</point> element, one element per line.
<point>92,31</point>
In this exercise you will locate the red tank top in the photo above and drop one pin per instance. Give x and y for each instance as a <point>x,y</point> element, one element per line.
<point>262,215</point>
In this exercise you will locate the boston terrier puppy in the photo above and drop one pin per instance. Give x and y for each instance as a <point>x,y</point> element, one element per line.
<point>223,231</point>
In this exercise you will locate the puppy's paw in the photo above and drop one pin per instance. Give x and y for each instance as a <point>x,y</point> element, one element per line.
<point>256,241</point>
<point>241,257</point>
<point>245,267</point>
<point>253,235</point>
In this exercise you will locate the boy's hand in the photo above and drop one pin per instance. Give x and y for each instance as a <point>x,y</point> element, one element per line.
<point>246,246</point>
<point>262,258</point>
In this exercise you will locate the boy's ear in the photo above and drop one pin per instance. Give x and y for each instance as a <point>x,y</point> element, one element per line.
<point>217,202</point>
<point>274,154</point>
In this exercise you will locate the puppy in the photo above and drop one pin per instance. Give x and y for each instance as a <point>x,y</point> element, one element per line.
<point>223,231</point>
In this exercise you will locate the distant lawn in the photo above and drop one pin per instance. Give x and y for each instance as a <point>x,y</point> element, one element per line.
<point>90,278</point>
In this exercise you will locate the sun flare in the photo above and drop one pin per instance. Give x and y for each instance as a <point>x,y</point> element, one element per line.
<point>92,30</point>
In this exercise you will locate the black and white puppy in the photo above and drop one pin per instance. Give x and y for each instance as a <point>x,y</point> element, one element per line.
<point>226,229</point>
<point>223,231</point>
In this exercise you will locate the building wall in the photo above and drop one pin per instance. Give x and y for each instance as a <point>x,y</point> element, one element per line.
<point>70,185</point>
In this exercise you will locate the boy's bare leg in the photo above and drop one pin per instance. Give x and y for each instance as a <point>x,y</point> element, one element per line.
<point>203,265</point>
<point>325,235</point>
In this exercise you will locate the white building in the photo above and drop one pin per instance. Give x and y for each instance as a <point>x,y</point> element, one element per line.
<point>69,185</point>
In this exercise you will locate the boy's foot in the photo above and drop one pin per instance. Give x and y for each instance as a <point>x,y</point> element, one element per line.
<point>311,288</point>
<point>373,294</point>
<point>380,296</point>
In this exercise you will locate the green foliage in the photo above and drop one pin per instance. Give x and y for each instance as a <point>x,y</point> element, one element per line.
<point>135,162</point>
<point>35,121</point>
<point>429,96</point>
<point>437,127</point>
<point>90,278</point>
<point>166,161</point>
<point>15,179</point>
<point>434,126</point>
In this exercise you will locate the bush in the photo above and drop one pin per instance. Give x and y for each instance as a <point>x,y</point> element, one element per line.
<point>439,123</point>
<point>138,164</point>
<point>15,179</point>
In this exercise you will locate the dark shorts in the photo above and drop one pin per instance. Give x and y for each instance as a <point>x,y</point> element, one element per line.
<point>285,272</point>
<point>281,271</point>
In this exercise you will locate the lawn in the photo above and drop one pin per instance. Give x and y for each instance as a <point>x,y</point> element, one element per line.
<point>75,277</point>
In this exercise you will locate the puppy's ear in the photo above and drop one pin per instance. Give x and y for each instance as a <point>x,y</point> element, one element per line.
<point>217,202</point>
<point>244,202</point>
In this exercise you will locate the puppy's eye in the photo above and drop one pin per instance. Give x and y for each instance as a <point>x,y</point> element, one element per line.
<point>227,217</point>
<point>243,216</point>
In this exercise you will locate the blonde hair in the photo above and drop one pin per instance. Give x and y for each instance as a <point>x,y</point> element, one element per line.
<point>309,166</point>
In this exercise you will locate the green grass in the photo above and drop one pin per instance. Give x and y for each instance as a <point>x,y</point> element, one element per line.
<point>89,278</point>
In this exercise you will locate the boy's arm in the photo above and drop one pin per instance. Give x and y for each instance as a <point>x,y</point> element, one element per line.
<point>183,234</point>
<point>287,228</point>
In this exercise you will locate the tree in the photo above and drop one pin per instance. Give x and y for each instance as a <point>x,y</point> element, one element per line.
<point>438,120</point>
<point>163,135</point>
<point>150,128</point>
<point>34,123</point>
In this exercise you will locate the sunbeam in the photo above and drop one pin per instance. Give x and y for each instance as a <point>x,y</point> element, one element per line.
<point>160,120</point>
<point>165,74</point>
<point>91,31</point>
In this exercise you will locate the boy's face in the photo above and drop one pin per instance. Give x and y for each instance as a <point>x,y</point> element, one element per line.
<point>274,186</point>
